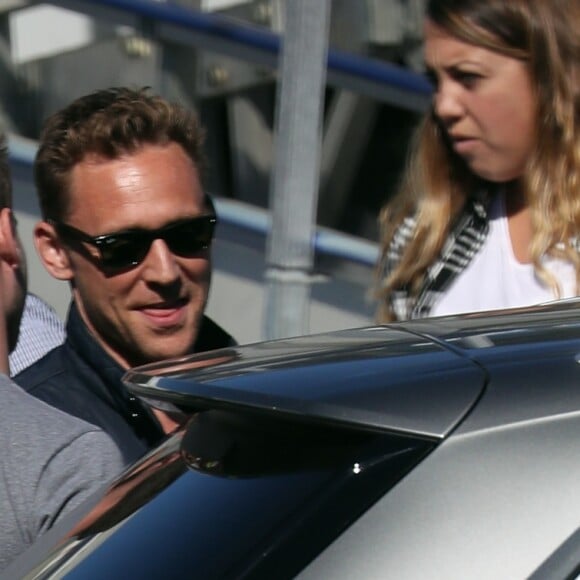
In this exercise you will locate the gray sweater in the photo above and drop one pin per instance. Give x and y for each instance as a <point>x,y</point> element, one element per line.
<point>49,463</point>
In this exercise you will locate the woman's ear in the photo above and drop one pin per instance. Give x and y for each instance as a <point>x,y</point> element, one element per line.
<point>51,251</point>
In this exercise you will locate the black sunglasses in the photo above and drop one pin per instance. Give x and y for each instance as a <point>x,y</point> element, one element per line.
<point>126,249</point>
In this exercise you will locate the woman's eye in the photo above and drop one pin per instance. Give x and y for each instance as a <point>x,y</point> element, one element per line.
<point>466,78</point>
<point>432,78</point>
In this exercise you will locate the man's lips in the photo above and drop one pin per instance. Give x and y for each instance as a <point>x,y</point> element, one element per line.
<point>165,314</point>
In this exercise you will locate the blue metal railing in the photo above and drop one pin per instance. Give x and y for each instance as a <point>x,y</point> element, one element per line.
<point>378,79</point>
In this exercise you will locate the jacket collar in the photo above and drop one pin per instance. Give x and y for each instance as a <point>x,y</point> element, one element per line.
<point>109,373</point>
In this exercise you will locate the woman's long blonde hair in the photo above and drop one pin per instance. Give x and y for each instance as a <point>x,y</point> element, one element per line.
<point>437,184</point>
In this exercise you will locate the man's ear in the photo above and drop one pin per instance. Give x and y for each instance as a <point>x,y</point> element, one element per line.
<point>52,253</point>
<point>10,248</point>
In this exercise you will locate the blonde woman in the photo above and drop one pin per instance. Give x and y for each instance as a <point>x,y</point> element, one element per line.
<point>488,215</point>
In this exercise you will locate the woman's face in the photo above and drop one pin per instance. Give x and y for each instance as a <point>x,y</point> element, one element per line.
<point>485,102</point>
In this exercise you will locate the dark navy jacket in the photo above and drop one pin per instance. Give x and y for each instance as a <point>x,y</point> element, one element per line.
<point>80,378</point>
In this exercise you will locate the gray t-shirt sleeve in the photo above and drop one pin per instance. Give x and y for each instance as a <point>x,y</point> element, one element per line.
<point>74,472</point>
<point>49,463</point>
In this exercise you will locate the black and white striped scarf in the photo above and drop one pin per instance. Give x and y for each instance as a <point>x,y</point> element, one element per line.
<point>464,241</point>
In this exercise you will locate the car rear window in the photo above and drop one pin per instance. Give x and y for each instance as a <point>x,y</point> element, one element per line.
<point>236,495</point>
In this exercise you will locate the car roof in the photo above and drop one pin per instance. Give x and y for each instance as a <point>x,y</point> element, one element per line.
<point>419,377</point>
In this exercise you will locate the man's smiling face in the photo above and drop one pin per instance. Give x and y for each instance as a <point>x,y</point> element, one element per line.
<point>153,310</point>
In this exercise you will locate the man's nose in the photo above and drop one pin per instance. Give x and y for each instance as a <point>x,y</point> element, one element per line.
<point>160,264</point>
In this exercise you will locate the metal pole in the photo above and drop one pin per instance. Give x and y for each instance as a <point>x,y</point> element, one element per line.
<point>294,187</point>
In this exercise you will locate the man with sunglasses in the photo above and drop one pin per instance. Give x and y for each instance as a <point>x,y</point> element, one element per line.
<point>127,223</point>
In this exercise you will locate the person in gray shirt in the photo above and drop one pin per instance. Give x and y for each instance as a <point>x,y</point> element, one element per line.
<point>49,461</point>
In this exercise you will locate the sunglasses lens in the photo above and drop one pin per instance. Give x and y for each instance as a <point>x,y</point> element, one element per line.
<point>124,250</point>
<point>191,237</point>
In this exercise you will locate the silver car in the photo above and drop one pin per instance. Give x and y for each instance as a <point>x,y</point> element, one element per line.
<point>444,448</point>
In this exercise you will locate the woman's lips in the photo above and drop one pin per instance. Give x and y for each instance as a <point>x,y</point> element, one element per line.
<point>464,145</point>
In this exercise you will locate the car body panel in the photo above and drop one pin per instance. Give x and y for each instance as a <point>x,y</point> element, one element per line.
<point>502,510</point>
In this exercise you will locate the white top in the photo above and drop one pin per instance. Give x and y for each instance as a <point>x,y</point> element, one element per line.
<point>495,279</point>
